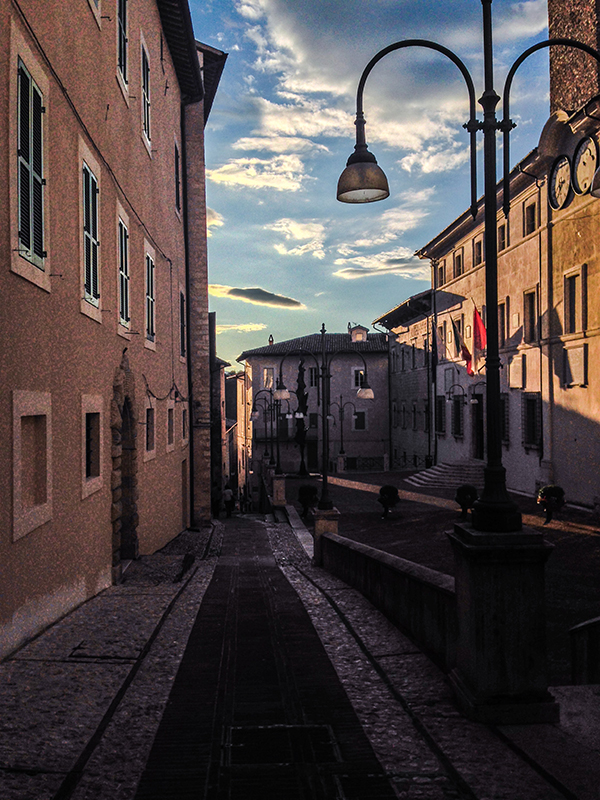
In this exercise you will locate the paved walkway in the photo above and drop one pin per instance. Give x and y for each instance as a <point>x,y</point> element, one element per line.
<point>227,666</point>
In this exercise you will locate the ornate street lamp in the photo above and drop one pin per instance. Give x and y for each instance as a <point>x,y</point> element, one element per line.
<point>341,406</point>
<point>364,392</point>
<point>363,181</point>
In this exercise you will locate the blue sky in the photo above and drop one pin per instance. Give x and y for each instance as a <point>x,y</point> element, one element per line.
<point>284,254</point>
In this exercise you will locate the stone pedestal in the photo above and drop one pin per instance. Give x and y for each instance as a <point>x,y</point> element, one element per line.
<point>500,674</point>
<point>278,490</point>
<point>326,521</point>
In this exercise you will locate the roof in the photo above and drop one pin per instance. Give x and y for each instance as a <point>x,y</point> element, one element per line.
<point>416,306</point>
<point>334,342</point>
<point>179,33</point>
<point>213,64</point>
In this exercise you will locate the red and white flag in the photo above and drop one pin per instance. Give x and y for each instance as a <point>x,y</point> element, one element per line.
<point>479,341</point>
<point>461,348</point>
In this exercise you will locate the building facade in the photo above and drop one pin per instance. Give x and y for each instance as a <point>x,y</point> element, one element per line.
<point>238,403</point>
<point>548,319</point>
<point>102,240</point>
<point>358,429</point>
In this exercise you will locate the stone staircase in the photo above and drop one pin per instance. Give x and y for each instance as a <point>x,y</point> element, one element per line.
<point>449,475</point>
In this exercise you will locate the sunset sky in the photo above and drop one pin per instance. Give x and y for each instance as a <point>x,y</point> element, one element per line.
<point>284,254</point>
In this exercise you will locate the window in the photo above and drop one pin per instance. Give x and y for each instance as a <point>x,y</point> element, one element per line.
<point>122,39</point>
<point>502,238</point>
<point>92,445</point>
<point>403,417</point>
<point>177,178</point>
<point>150,442</point>
<point>395,414</point>
<point>530,321</point>
<point>413,354</point>
<point>426,417</point>
<point>150,298</point>
<point>359,377</point>
<point>530,219</point>
<point>32,461</point>
<point>359,421</point>
<point>440,414</point>
<point>313,376</point>
<point>504,418</point>
<point>145,94</point>
<point>575,301</point>
<point>123,274</point>
<point>30,110</point>
<point>268,377</point>
<point>531,419</point>
<point>182,326</point>
<point>90,236</point>
<point>441,273</point>
<point>458,263</point>
<point>477,252</point>
<point>441,341</point>
<point>458,406</point>
<point>313,420</point>
<point>170,426</point>
<point>184,424</point>
<point>501,324</point>
<point>414,417</point>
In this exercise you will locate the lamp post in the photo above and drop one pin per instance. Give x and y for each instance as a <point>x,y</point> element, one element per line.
<point>341,405</point>
<point>363,181</point>
<point>364,392</point>
<point>499,673</point>
<point>268,407</point>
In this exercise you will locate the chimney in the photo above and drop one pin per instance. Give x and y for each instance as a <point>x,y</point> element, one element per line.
<point>270,339</point>
<point>574,75</point>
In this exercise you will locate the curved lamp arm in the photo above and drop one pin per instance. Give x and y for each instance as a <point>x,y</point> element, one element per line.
<point>368,392</point>
<point>507,124</point>
<point>361,153</point>
<point>281,390</point>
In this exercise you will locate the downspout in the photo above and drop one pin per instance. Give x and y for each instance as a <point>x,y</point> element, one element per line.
<point>188,343</point>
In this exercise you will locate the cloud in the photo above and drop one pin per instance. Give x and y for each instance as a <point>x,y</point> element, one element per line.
<point>279,144</point>
<point>243,327</point>
<point>213,220</point>
<point>400,261</point>
<point>283,172</point>
<point>436,158</point>
<point>311,232</point>
<point>256,296</point>
<point>521,20</point>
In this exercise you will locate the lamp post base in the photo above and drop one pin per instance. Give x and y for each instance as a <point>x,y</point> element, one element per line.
<point>501,649</point>
<point>495,512</point>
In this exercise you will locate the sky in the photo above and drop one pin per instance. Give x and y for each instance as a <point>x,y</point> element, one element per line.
<point>284,255</point>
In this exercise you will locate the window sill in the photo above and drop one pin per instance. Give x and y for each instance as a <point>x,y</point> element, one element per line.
<point>124,332</point>
<point>91,486</point>
<point>122,86</point>
<point>150,345</point>
<point>149,455</point>
<point>91,311</point>
<point>26,269</point>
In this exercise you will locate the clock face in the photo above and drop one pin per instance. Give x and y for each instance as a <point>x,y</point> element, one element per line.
<point>560,182</point>
<point>585,164</point>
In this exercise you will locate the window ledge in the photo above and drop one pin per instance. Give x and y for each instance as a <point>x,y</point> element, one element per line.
<point>124,332</point>
<point>91,311</point>
<point>91,486</point>
<point>149,455</point>
<point>26,269</point>
<point>149,344</point>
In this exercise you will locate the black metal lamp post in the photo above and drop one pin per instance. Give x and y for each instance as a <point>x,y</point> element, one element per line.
<point>363,181</point>
<point>364,392</point>
<point>341,405</point>
<point>268,409</point>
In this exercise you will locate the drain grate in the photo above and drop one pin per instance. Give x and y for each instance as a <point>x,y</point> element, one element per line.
<point>281,744</point>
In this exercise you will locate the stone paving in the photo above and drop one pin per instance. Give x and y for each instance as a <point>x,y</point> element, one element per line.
<point>80,705</point>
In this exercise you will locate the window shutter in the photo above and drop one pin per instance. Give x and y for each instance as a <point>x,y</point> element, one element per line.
<point>94,191</point>
<point>37,163</point>
<point>24,160</point>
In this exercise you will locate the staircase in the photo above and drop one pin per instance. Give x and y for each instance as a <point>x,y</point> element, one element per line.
<point>449,476</point>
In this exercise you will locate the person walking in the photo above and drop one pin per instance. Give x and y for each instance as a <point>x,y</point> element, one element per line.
<point>228,499</point>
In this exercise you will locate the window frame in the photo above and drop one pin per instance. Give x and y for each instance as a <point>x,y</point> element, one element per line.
<point>358,377</point>
<point>440,415</point>
<point>92,404</point>
<point>502,236</point>
<point>575,303</point>
<point>362,415</point>
<point>150,430</point>
<point>145,92</point>
<point>478,251</point>
<point>122,45</point>
<point>150,297</point>
<point>91,235</point>
<point>530,316</point>
<point>268,377</point>
<point>27,518</point>
<point>123,275</point>
<point>182,325</point>
<point>530,219</point>
<point>528,398</point>
<point>458,262</point>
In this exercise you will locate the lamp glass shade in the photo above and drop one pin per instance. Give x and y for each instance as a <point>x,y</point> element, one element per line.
<point>365,393</point>
<point>281,393</point>
<point>299,415</point>
<point>595,187</point>
<point>362,182</point>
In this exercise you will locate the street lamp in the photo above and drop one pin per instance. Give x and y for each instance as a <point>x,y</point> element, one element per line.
<point>341,405</point>
<point>364,392</point>
<point>268,407</point>
<point>363,181</point>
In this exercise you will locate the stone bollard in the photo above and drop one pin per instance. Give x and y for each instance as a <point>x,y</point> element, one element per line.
<point>279,490</point>
<point>326,521</point>
<point>500,673</point>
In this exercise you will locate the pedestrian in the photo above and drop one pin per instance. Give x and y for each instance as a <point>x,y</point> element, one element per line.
<point>228,499</point>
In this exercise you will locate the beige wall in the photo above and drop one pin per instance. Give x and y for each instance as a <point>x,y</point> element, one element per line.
<point>65,353</point>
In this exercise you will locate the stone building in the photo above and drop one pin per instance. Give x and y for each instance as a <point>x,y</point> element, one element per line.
<point>359,432</point>
<point>102,241</point>
<point>238,403</point>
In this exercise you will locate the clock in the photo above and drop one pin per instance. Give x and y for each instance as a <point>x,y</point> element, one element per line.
<point>585,163</point>
<point>560,182</point>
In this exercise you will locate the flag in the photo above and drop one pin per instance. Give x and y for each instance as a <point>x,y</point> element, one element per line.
<point>461,348</point>
<point>479,340</point>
